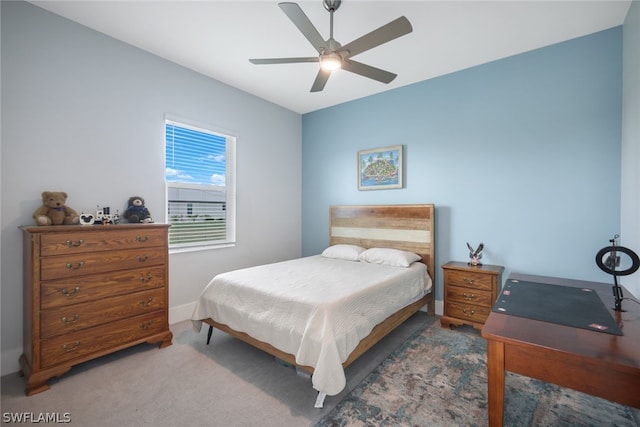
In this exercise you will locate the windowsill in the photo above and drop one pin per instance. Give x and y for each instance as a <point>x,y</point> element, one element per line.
<point>199,248</point>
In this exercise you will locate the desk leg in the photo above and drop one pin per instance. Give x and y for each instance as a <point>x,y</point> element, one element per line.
<point>495,379</point>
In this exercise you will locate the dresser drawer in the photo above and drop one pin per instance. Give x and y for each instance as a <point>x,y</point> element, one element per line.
<point>94,240</point>
<point>468,312</point>
<point>65,292</point>
<point>469,295</point>
<point>81,316</point>
<point>469,279</point>
<point>68,347</point>
<point>58,267</point>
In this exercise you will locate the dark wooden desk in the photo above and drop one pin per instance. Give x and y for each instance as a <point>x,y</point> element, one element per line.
<point>595,363</point>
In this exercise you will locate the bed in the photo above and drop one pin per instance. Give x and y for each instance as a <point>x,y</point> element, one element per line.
<point>300,310</point>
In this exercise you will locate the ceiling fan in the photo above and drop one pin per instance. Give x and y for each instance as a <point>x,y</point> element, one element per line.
<point>332,55</point>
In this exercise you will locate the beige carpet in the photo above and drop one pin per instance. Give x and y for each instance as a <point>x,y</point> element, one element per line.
<point>227,383</point>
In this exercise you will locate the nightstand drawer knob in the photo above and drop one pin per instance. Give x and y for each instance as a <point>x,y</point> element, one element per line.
<point>68,321</point>
<point>142,258</point>
<point>142,238</point>
<point>464,279</point>
<point>468,297</point>
<point>146,279</point>
<point>470,313</point>
<point>67,293</point>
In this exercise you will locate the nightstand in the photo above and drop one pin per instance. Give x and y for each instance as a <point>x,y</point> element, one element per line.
<point>469,293</point>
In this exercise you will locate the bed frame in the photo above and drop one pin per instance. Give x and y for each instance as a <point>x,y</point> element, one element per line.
<point>405,227</point>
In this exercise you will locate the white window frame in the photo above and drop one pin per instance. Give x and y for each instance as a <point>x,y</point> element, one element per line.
<point>230,188</point>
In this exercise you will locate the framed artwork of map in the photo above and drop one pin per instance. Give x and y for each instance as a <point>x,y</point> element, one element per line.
<point>380,168</point>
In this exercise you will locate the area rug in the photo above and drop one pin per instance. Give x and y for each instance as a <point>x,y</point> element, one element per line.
<point>439,378</point>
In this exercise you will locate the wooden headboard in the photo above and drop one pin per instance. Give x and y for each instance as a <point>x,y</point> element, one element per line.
<point>406,227</point>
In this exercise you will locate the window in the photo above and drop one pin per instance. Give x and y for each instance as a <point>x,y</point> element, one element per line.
<point>199,174</point>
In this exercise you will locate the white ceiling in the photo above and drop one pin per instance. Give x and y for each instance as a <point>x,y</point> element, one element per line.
<point>216,38</point>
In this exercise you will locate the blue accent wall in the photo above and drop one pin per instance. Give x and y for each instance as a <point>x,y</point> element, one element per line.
<point>522,154</point>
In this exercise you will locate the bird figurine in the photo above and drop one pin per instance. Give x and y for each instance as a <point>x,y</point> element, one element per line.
<point>475,254</point>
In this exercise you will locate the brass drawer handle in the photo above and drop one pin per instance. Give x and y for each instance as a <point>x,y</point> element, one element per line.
<point>142,238</point>
<point>146,325</point>
<point>73,244</point>
<point>468,297</point>
<point>146,303</point>
<point>471,312</point>
<point>68,349</point>
<point>68,321</point>
<point>142,258</point>
<point>146,279</point>
<point>464,279</point>
<point>75,267</point>
<point>67,293</point>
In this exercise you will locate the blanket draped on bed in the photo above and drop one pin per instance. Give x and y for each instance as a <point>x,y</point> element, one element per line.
<point>315,308</point>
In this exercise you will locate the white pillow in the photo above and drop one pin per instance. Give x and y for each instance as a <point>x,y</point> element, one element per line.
<point>386,256</point>
<point>346,252</point>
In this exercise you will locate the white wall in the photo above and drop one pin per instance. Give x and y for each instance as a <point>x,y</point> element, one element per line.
<point>84,113</point>
<point>630,206</point>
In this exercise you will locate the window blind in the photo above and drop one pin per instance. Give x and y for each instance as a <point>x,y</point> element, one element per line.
<point>197,176</point>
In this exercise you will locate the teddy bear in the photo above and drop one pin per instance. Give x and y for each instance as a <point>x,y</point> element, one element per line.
<point>54,210</point>
<point>136,210</point>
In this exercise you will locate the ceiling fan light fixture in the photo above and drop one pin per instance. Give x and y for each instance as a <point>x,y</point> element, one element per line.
<point>334,56</point>
<point>331,62</point>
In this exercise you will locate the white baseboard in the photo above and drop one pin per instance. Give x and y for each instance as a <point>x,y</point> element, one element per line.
<point>10,362</point>
<point>181,313</point>
<point>439,308</point>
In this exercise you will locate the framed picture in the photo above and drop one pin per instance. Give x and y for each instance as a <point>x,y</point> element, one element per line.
<point>380,168</point>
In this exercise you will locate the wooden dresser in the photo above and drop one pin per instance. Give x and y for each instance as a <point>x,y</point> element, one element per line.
<point>89,291</point>
<point>469,293</point>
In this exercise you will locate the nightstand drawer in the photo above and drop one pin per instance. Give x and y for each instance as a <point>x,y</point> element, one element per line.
<point>468,312</point>
<point>469,296</point>
<point>469,279</point>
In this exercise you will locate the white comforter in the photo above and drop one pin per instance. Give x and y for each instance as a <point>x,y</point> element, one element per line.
<point>315,308</point>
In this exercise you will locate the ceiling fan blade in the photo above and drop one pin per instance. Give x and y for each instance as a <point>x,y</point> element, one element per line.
<point>384,34</point>
<point>368,71</point>
<point>300,20</point>
<point>321,80</point>
<point>283,60</point>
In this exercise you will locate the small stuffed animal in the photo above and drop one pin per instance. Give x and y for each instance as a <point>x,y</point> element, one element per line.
<point>136,211</point>
<point>475,254</point>
<point>54,210</point>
